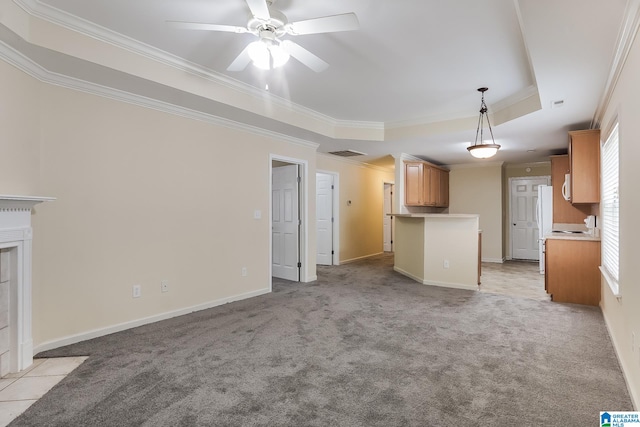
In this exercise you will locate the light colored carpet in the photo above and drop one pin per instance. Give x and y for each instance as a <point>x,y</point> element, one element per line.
<point>362,346</point>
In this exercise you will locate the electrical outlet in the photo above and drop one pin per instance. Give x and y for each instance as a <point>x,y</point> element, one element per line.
<point>137,291</point>
<point>445,263</point>
<point>244,271</point>
<point>164,286</point>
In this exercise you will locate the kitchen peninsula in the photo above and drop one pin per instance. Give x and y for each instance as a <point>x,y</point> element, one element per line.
<point>438,249</point>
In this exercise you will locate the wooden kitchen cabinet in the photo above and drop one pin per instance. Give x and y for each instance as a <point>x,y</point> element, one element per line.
<point>584,165</point>
<point>440,187</point>
<point>414,184</point>
<point>563,211</point>
<point>425,185</point>
<point>571,271</point>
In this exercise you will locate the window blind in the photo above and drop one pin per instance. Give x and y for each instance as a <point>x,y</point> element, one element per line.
<point>610,209</point>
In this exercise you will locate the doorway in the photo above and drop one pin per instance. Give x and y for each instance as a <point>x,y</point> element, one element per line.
<point>524,228</point>
<point>327,224</point>
<point>387,221</point>
<point>288,218</point>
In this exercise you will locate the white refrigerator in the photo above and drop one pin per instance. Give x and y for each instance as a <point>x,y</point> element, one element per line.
<point>544,217</point>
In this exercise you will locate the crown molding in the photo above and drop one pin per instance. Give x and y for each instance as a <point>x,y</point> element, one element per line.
<point>74,23</point>
<point>21,62</point>
<point>626,37</point>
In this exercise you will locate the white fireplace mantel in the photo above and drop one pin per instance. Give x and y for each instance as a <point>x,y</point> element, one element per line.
<point>15,236</point>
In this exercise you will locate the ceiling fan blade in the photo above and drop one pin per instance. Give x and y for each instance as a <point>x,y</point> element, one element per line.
<point>241,61</point>
<point>259,9</point>
<point>326,24</point>
<point>304,56</point>
<point>206,27</point>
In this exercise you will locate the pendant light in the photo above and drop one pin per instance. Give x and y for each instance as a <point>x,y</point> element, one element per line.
<point>483,150</point>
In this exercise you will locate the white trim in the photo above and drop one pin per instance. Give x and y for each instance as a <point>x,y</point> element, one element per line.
<point>613,285</point>
<point>305,259</point>
<point>360,258</point>
<point>628,32</point>
<point>494,260</point>
<point>16,236</point>
<point>25,64</point>
<point>95,333</point>
<point>509,189</point>
<point>335,259</point>
<point>87,28</point>
<point>473,287</point>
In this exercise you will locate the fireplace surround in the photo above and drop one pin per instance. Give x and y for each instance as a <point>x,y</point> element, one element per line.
<point>16,254</point>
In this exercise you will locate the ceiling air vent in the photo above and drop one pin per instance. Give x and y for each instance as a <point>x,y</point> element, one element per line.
<point>347,153</point>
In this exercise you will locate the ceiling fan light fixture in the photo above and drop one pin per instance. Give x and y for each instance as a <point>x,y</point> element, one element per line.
<point>266,55</point>
<point>279,55</point>
<point>259,54</point>
<point>483,150</point>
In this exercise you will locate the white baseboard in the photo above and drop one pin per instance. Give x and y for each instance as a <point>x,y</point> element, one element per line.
<point>347,261</point>
<point>406,273</point>
<point>95,333</point>
<point>494,260</point>
<point>432,283</point>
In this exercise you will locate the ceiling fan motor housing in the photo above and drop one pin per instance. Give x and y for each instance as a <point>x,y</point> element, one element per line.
<point>275,24</point>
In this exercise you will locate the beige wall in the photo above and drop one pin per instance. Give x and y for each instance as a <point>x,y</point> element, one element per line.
<point>19,121</point>
<point>477,189</point>
<point>623,314</point>
<point>360,222</point>
<point>142,196</point>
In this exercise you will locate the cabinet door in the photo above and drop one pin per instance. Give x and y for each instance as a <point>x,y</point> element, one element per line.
<point>563,211</point>
<point>443,193</point>
<point>572,273</point>
<point>431,185</point>
<point>584,156</point>
<point>413,183</point>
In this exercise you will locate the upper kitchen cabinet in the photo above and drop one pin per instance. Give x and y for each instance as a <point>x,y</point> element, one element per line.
<point>563,211</point>
<point>425,185</point>
<point>584,166</point>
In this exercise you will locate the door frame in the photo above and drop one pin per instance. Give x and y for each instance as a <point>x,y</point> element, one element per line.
<point>335,259</point>
<point>303,202</point>
<point>393,223</point>
<point>511,180</point>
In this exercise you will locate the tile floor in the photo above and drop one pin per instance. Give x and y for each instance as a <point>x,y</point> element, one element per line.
<point>515,278</point>
<point>19,391</point>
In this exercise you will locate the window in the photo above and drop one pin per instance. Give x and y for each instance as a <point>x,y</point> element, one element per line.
<point>610,210</point>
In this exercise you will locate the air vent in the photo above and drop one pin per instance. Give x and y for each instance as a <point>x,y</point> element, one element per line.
<point>347,153</point>
<point>557,104</point>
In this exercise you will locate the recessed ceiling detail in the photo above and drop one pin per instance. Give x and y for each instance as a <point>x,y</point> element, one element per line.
<point>408,95</point>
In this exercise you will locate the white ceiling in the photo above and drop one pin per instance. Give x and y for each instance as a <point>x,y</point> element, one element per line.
<point>404,82</point>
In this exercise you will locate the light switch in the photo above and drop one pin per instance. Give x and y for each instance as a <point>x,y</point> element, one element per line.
<point>257,214</point>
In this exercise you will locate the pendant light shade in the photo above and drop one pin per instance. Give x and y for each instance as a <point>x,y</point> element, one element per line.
<point>481,149</point>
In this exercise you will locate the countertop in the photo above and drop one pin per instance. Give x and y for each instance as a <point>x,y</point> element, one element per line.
<point>433,215</point>
<point>572,236</point>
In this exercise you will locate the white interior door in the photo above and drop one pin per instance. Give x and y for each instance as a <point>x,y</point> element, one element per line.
<point>285,223</point>
<point>387,221</point>
<point>324,218</point>
<point>524,228</point>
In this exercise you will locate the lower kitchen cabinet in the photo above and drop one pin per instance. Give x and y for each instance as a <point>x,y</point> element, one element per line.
<point>572,271</point>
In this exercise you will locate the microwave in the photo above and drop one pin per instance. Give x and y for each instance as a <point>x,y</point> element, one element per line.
<point>566,187</point>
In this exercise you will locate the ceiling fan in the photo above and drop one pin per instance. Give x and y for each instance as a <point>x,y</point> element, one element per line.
<point>270,25</point>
